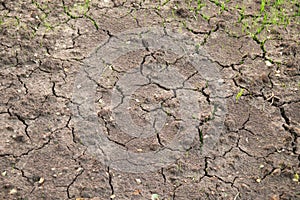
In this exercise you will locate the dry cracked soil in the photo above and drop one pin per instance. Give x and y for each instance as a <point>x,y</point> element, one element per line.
<point>87,113</point>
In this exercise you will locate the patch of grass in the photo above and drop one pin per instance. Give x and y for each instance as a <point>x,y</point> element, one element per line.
<point>220,4</point>
<point>77,10</point>
<point>199,6</point>
<point>80,10</point>
<point>42,7</point>
<point>271,15</point>
<point>194,6</point>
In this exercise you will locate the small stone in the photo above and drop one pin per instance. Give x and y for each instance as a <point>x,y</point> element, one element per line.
<point>13,191</point>
<point>245,186</point>
<point>296,178</point>
<point>275,197</point>
<point>112,196</point>
<point>264,78</point>
<point>100,101</point>
<point>41,181</point>
<point>4,173</point>
<point>36,178</point>
<point>277,73</point>
<point>79,169</point>
<point>258,180</point>
<point>136,192</point>
<point>276,172</point>
<point>268,63</point>
<point>138,181</point>
<point>18,138</point>
<point>261,166</point>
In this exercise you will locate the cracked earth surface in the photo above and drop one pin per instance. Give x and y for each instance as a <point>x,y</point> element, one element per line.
<point>44,45</point>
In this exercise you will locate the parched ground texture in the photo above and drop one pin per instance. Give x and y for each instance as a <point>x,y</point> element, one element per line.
<point>255,46</point>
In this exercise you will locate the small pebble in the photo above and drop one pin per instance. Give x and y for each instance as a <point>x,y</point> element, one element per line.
<point>4,173</point>
<point>138,181</point>
<point>268,63</point>
<point>13,191</point>
<point>79,169</point>
<point>261,166</point>
<point>41,181</point>
<point>276,172</point>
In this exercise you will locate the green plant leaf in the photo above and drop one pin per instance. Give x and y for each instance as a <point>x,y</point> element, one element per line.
<point>238,96</point>
<point>155,197</point>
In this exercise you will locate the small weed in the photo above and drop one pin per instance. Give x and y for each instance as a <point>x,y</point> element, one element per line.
<point>165,3</point>
<point>296,177</point>
<point>77,10</point>
<point>206,84</point>
<point>187,154</point>
<point>197,47</point>
<point>179,166</point>
<point>223,7</point>
<point>206,17</point>
<point>262,6</point>
<point>239,94</point>
<point>278,3</point>
<point>245,26</point>
<point>242,14</point>
<point>199,6</point>
<point>154,197</point>
<point>216,2</point>
<point>48,26</point>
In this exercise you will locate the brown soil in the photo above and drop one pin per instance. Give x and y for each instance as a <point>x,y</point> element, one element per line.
<point>45,44</point>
